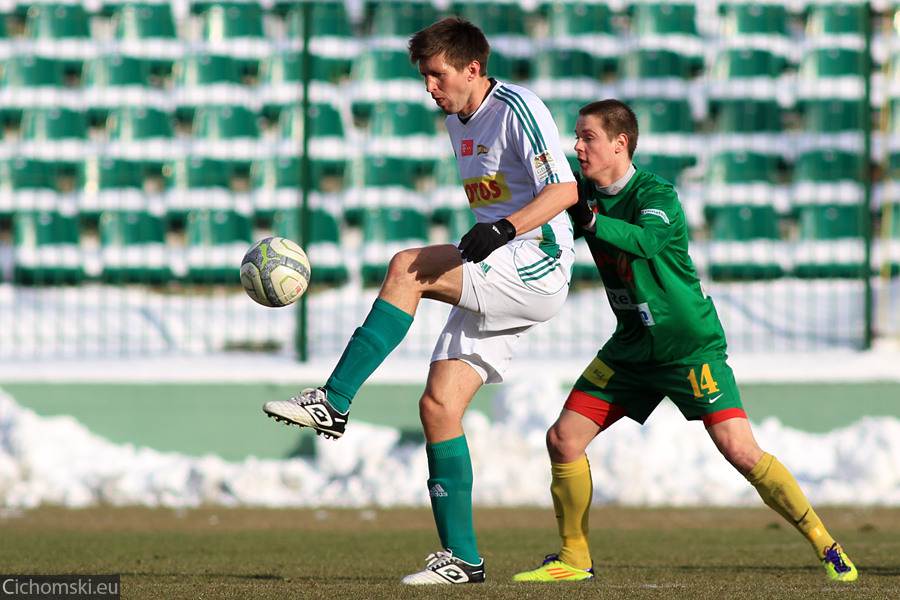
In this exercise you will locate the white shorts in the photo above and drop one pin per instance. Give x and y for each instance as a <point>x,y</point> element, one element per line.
<point>504,296</point>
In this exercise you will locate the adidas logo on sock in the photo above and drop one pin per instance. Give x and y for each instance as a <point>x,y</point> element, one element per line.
<point>436,491</point>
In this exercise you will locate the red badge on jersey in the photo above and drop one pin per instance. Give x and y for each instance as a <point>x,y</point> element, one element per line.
<point>468,146</point>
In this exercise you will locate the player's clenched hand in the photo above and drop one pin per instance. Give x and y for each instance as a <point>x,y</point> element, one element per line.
<point>581,214</point>
<point>484,238</point>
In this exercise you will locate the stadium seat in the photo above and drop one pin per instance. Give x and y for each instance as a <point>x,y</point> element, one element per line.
<point>113,80</point>
<point>54,133</point>
<point>831,243</point>
<point>386,231</point>
<point>567,73</point>
<point>754,19</point>
<point>663,18</point>
<point>668,166</point>
<point>496,19</point>
<point>60,31</point>
<point>327,19</point>
<point>228,132</point>
<point>836,18</point>
<point>216,242</point>
<point>397,19</point>
<point>110,184</point>
<point>833,115</point>
<point>142,133</point>
<point>744,243</point>
<point>277,184</point>
<point>377,181</point>
<point>281,80</point>
<point>655,72</point>
<point>201,79</point>
<point>31,81</point>
<point>748,124</point>
<point>236,29</point>
<point>666,126</point>
<point>196,183</point>
<point>459,222</point>
<point>327,135</point>
<point>824,176</point>
<point>747,72</point>
<point>28,185</point>
<point>147,30</point>
<point>667,25</point>
<point>324,245</point>
<point>382,75</point>
<point>832,72</point>
<point>566,19</point>
<point>133,248</point>
<point>399,128</point>
<point>47,249</point>
<point>565,114</point>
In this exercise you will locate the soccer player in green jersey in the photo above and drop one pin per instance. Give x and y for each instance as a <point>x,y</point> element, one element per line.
<point>668,342</point>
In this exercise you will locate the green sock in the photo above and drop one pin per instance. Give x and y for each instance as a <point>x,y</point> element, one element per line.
<point>380,333</point>
<point>450,488</point>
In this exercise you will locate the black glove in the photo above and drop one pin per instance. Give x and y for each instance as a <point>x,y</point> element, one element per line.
<point>484,238</point>
<point>582,216</point>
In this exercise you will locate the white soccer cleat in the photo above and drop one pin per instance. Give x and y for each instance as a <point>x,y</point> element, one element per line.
<point>443,568</point>
<point>310,409</point>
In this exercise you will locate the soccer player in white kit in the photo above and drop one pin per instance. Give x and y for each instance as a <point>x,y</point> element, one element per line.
<point>510,272</point>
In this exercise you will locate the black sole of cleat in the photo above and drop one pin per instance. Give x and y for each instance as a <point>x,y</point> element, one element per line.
<point>288,422</point>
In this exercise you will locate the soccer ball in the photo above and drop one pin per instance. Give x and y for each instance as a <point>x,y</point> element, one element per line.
<point>275,272</point>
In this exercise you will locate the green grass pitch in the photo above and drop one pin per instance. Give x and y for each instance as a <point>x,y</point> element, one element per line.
<point>218,553</point>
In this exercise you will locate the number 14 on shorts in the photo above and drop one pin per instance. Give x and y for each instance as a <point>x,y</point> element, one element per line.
<point>706,385</point>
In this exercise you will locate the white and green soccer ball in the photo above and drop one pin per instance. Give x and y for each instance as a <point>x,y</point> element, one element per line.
<point>275,272</point>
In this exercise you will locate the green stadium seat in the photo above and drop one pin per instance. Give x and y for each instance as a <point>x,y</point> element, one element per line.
<point>47,249</point>
<point>216,242</point>
<point>400,19</point>
<point>133,248</point>
<point>833,115</point>
<point>143,21</point>
<point>459,222</point>
<point>110,184</point>
<point>324,245</point>
<point>565,114</point>
<point>568,19</point>
<point>748,72</point>
<point>281,79</point>
<point>663,18</point>
<point>202,79</point>
<point>28,185</point>
<point>746,115</point>
<point>668,166</point>
<point>832,243</point>
<point>386,231</point>
<point>567,73</point>
<point>142,133</point>
<point>379,181</point>
<point>382,74</point>
<point>832,72</point>
<point>113,80</point>
<point>228,132</point>
<point>654,72</point>
<point>54,133</point>
<point>745,242</point>
<point>327,19</point>
<point>30,81</point>
<point>147,30</point>
<point>196,183</point>
<point>61,31</point>
<point>663,115</point>
<point>324,120</point>
<point>228,20</point>
<point>447,193</point>
<point>755,19</point>
<point>404,120</point>
<point>277,183</point>
<point>824,176</point>
<point>836,18</point>
<point>496,19</point>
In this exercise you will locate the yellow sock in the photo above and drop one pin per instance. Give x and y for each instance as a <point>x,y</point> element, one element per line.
<point>572,491</point>
<point>780,491</point>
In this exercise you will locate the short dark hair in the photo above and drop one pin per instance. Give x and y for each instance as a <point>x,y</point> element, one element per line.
<point>616,117</point>
<point>459,40</point>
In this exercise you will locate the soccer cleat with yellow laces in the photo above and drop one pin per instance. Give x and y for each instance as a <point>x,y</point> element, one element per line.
<point>838,566</point>
<point>553,569</point>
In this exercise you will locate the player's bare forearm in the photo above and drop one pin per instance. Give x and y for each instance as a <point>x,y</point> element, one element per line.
<point>552,200</point>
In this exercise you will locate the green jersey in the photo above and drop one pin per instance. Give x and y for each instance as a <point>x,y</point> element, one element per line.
<point>641,250</point>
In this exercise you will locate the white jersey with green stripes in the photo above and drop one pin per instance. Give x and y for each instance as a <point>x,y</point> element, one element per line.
<point>507,151</point>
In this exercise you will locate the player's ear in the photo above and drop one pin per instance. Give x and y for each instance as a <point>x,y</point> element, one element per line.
<point>473,70</point>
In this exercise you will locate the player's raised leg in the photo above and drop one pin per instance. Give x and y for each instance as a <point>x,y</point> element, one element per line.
<point>431,272</point>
